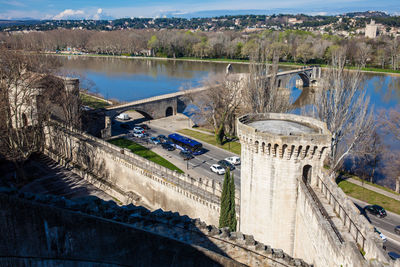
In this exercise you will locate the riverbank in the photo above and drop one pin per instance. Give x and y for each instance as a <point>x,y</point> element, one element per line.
<point>94,102</point>
<point>227,61</point>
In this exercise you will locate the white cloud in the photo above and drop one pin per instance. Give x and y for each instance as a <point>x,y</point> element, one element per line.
<point>98,14</point>
<point>70,14</point>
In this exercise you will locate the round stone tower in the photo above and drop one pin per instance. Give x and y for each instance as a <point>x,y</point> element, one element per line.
<point>279,151</point>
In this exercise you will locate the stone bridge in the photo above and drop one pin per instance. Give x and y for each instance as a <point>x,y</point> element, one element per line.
<point>154,107</point>
<point>307,74</point>
<point>167,105</point>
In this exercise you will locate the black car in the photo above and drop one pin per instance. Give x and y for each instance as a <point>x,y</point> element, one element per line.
<point>162,138</point>
<point>168,146</point>
<point>376,210</point>
<point>226,165</point>
<point>397,229</point>
<point>186,155</point>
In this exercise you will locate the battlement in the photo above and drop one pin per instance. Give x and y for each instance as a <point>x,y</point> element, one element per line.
<point>284,136</point>
<point>93,215</point>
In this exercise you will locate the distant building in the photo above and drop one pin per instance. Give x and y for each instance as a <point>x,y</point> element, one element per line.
<point>294,21</point>
<point>371,30</point>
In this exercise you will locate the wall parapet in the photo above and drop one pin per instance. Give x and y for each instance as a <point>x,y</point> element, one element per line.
<point>357,225</point>
<point>235,245</point>
<point>202,186</point>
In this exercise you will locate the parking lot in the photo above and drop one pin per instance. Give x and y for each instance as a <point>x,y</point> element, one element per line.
<point>199,166</point>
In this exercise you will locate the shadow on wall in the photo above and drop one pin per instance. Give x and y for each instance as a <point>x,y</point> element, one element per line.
<point>85,152</point>
<point>56,234</point>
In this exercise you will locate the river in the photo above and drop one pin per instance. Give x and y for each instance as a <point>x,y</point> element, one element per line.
<point>132,79</point>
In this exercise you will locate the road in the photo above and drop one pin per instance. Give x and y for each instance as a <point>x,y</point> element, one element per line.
<point>198,166</point>
<point>385,225</point>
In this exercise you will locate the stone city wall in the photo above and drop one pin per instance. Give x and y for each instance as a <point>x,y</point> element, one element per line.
<point>92,231</point>
<point>350,219</point>
<point>127,176</point>
<point>316,241</point>
<point>272,166</point>
<point>305,213</point>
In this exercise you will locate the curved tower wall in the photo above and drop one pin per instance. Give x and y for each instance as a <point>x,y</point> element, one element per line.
<point>272,167</point>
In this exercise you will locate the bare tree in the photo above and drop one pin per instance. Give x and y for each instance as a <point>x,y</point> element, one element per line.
<point>363,53</point>
<point>262,93</point>
<point>343,105</point>
<point>219,103</point>
<point>390,123</point>
<point>368,157</point>
<point>22,109</point>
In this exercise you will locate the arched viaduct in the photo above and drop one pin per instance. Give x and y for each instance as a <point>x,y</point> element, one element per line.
<point>154,107</point>
<point>307,74</point>
<point>167,105</point>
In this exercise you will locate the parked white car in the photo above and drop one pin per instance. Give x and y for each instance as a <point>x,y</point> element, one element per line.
<point>138,129</point>
<point>138,134</point>
<point>233,160</point>
<point>123,116</point>
<point>218,169</point>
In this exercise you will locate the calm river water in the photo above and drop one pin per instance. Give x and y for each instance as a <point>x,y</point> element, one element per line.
<point>132,79</point>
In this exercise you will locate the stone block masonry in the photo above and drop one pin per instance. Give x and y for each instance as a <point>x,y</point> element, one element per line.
<point>122,172</point>
<point>90,231</point>
<point>289,202</point>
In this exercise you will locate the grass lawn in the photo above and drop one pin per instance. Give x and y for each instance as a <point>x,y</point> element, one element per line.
<point>210,139</point>
<point>369,196</point>
<point>375,185</point>
<point>205,130</point>
<point>93,102</point>
<point>145,153</point>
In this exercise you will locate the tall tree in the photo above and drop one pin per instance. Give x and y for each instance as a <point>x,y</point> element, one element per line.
<point>343,105</point>
<point>261,92</point>
<point>232,208</point>
<point>219,103</point>
<point>227,216</point>
<point>390,122</point>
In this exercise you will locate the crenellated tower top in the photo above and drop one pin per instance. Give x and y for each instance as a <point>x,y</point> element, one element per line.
<point>285,136</point>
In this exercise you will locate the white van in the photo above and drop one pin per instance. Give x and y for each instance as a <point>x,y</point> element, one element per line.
<point>233,160</point>
<point>123,116</point>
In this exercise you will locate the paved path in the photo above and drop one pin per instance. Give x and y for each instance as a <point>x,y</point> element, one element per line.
<point>375,189</point>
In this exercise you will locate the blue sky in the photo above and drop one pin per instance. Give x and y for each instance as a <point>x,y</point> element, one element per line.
<point>100,9</point>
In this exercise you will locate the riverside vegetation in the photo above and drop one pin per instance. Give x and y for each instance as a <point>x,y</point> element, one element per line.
<point>293,46</point>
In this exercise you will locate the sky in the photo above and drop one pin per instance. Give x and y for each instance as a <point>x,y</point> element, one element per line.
<point>106,9</point>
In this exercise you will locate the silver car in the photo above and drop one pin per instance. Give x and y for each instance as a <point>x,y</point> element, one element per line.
<point>218,169</point>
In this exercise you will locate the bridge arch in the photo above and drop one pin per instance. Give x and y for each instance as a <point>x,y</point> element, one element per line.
<point>141,112</point>
<point>305,78</point>
<point>169,111</point>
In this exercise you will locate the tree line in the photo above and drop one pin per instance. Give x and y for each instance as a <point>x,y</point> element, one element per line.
<point>292,45</point>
